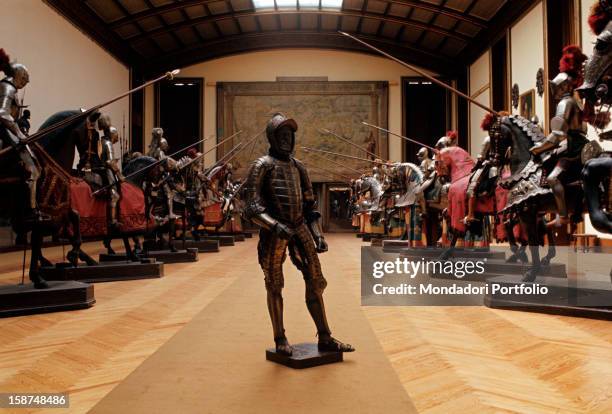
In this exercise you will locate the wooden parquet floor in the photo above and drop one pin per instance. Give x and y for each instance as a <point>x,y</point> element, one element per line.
<point>449,359</point>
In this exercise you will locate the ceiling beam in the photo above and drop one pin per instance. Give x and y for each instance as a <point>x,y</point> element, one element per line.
<point>411,3</point>
<point>249,42</point>
<point>79,14</point>
<point>505,17</point>
<point>248,13</point>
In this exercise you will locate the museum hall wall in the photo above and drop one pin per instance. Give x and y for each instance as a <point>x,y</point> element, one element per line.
<point>268,65</point>
<point>480,90</point>
<point>67,69</point>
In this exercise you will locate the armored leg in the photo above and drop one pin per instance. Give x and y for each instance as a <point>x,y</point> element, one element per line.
<point>33,174</point>
<point>114,202</point>
<point>554,181</point>
<point>304,256</point>
<point>170,199</point>
<point>271,252</point>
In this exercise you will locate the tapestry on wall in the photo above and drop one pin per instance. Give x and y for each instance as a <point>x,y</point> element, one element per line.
<point>337,106</point>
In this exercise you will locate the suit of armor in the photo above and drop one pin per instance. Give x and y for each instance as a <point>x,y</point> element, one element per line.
<point>111,173</point>
<point>157,150</point>
<point>279,198</point>
<point>10,134</point>
<point>568,126</point>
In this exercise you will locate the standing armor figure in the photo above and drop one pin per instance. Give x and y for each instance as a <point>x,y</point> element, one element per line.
<point>111,173</point>
<point>157,150</point>
<point>567,125</point>
<point>158,145</point>
<point>280,200</point>
<point>17,77</point>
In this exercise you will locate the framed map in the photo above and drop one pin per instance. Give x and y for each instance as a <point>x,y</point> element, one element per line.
<point>337,106</point>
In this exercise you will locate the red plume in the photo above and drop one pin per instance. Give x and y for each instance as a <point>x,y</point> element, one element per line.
<point>598,19</point>
<point>487,121</point>
<point>4,61</point>
<point>571,62</point>
<point>453,135</point>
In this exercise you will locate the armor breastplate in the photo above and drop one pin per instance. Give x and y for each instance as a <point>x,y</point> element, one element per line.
<point>571,111</point>
<point>8,99</point>
<point>283,188</point>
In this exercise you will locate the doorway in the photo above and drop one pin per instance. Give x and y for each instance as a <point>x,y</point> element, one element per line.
<point>178,105</point>
<point>426,114</point>
<point>338,208</point>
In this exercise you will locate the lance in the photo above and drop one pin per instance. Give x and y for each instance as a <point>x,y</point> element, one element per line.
<point>220,143</point>
<point>422,73</point>
<point>332,161</point>
<point>348,141</point>
<point>150,166</point>
<point>398,135</point>
<point>332,173</point>
<point>343,155</point>
<point>38,135</point>
<point>242,146</point>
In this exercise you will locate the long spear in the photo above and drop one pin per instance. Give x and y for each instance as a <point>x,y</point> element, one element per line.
<point>422,73</point>
<point>330,160</point>
<point>397,135</point>
<point>337,174</point>
<point>39,134</point>
<point>307,149</point>
<point>203,154</point>
<point>348,141</point>
<point>150,166</point>
<point>242,146</point>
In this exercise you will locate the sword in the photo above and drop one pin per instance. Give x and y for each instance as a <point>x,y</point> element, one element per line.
<point>422,73</point>
<point>39,134</point>
<point>398,135</point>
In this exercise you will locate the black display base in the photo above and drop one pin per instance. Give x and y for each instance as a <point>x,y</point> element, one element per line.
<point>586,299</point>
<point>105,272</point>
<point>164,256</point>
<point>366,237</point>
<point>248,235</point>
<point>305,355</point>
<point>60,296</point>
<point>203,245</point>
<point>223,240</point>
<point>238,237</point>
<point>434,253</point>
<point>359,235</point>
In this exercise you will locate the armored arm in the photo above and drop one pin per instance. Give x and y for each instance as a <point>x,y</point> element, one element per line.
<point>312,216</point>
<point>559,125</point>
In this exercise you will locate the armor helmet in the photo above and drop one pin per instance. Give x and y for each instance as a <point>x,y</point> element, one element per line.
<point>104,122</point>
<point>157,133</point>
<point>113,134</point>
<point>562,85</point>
<point>423,154</point>
<point>280,132</point>
<point>20,75</point>
<point>442,143</point>
<point>229,166</point>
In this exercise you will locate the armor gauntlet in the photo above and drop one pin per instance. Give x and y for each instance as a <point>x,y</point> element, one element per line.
<point>312,216</point>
